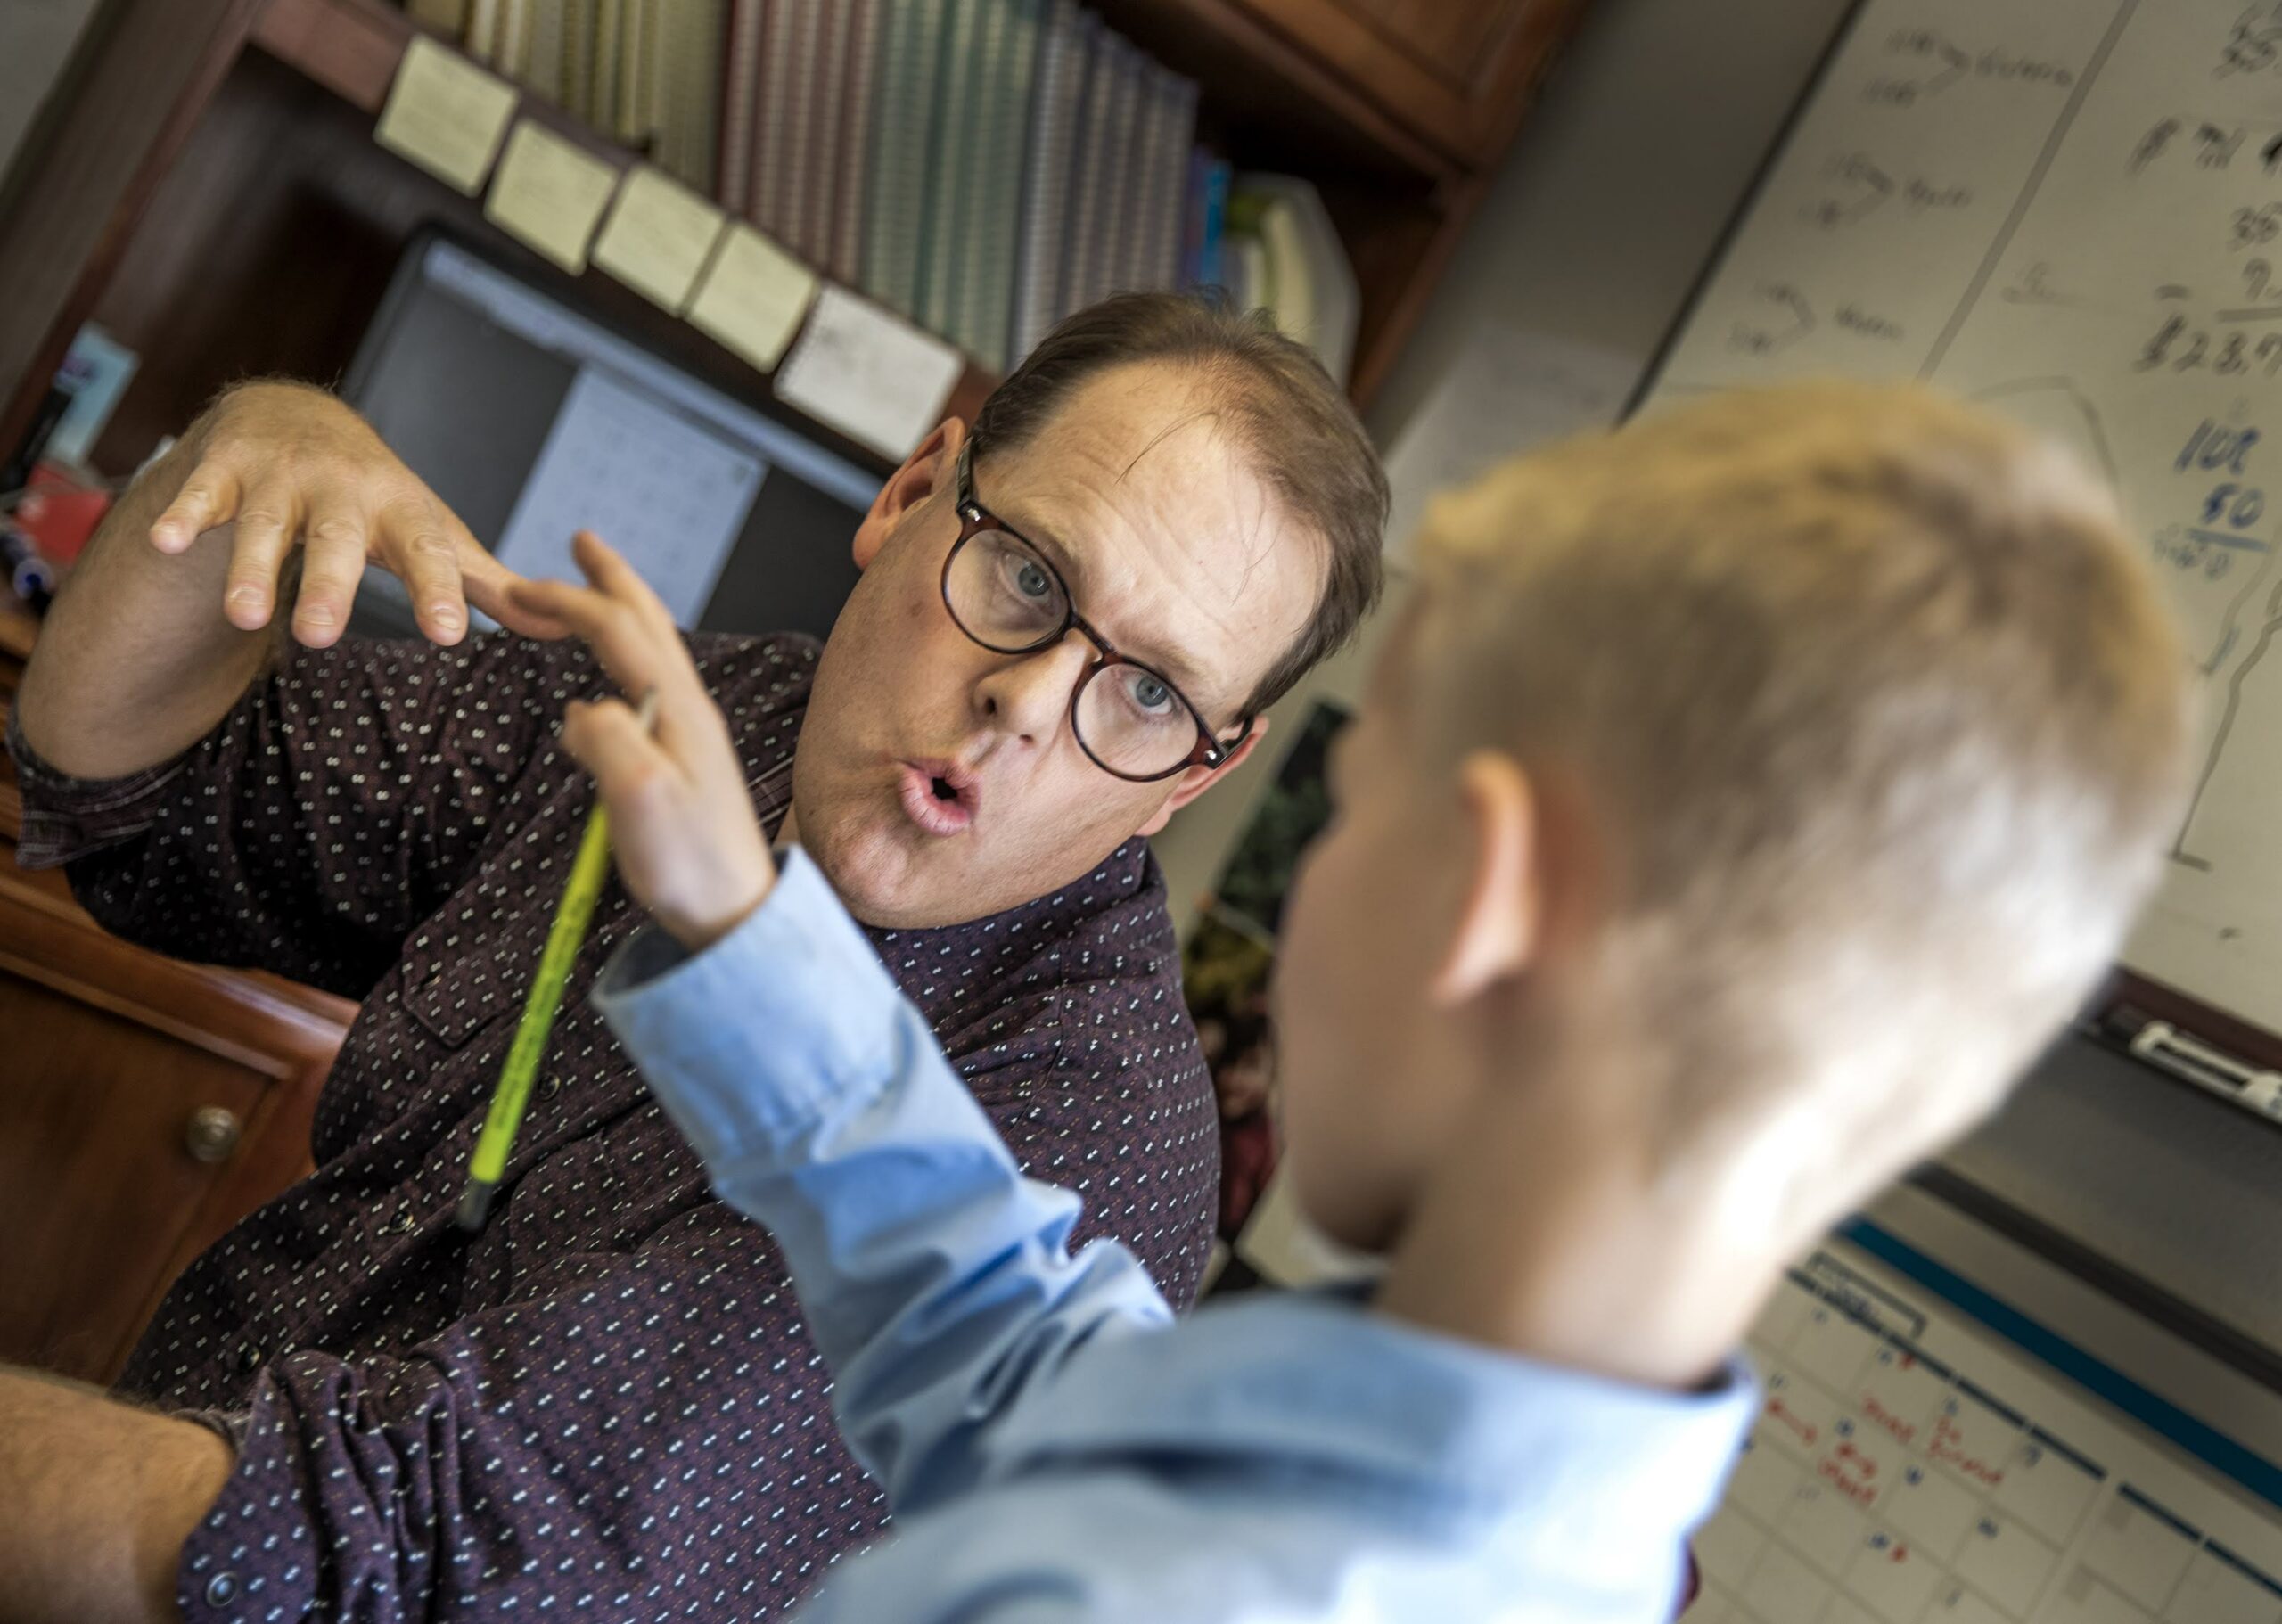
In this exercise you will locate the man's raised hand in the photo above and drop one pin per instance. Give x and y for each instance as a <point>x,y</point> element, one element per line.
<point>274,467</point>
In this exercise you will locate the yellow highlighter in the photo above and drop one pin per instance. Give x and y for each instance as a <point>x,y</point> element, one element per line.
<point>588,872</point>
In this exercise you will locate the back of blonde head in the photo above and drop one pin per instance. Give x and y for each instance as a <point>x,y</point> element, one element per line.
<point>1881,714</point>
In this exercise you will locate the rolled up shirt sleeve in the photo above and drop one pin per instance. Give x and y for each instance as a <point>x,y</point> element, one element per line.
<point>348,792</point>
<point>66,818</point>
<point>935,1279</point>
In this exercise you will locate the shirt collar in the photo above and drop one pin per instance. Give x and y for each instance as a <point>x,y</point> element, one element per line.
<point>1125,875</point>
<point>1580,1461</point>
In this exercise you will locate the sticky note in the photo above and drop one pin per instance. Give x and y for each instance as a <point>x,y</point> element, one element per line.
<point>445,114</point>
<point>550,194</point>
<point>872,376</point>
<point>657,237</point>
<point>753,297</point>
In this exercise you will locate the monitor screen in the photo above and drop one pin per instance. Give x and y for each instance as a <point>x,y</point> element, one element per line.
<point>531,420</point>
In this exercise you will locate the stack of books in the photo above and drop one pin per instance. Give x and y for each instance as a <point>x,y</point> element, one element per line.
<point>983,166</point>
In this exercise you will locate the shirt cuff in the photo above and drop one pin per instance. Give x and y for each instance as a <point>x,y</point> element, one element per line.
<point>66,818</point>
<point>230,1425</point>
<point>257,1555</point>
<point>750,1044</point>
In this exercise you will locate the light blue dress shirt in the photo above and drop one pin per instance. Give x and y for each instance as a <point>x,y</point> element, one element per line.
<point>1054,1445</point>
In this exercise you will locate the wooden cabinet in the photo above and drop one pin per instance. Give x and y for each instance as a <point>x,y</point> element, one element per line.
<point>145,1106</point>
<point>1456,71</point>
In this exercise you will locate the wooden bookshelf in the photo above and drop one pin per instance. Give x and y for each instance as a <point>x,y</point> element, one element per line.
<point>210,191</point>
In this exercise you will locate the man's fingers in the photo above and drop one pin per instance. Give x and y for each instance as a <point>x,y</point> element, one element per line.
<point>263,535</point>
<point>411,542</point>
<point>331,573</point>
<point>207,499</point>
<point>497,591</point>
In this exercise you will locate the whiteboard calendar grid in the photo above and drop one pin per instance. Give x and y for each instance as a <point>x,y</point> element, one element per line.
<point>668,494</point>
<point>1883,1484</point>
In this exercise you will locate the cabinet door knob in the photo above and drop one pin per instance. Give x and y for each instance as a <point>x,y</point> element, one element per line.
<point>211,1133</point>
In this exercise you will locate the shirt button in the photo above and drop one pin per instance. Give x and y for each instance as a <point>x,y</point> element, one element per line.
<point>549,1086</point>
<point>221,1590</point>
<point>249,1359</point>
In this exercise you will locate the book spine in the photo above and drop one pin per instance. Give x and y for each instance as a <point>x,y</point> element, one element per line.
<point>950,211</point>
<point>602,90</point>
<point>1144,181</point>
<point>579,59</point>
<point>977,213</point>
<point>1117,178</point>
<point>770,134</point>
<point>1088,165</point>
<point>820,170</point>
<point>1212,269</point>
<point>795,164</point>
<point>665,21</point>
<point>482,42</point>
<point>636,18</point>
<point>920,135</point>
<point>513,54</point>
<point>641,26</point>
<point>1192,216</point>
<point>1176,141</point>
<point>542,58</point>
<point>1046,178</point>
<point>689,95</point>
<point>889,151</point>
<point>990,297</point>
<point>740,87</point>
<point>846,260</point>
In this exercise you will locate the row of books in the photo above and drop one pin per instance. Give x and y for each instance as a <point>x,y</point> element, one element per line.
<point>983,167</point>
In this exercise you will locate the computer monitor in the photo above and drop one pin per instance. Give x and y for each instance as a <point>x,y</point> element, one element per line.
<point>532,420</point>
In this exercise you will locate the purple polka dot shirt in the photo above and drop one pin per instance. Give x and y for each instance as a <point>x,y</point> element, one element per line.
<point>605,1405</point>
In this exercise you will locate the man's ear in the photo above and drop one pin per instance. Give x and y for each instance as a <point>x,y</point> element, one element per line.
<point>1501,899</point>
<point>1199,779</point>
<point>926,471</point>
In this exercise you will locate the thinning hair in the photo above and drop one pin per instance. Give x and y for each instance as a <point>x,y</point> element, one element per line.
<point>1289,417</point>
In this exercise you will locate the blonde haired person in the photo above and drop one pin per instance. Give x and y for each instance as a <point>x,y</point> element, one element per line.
<point>1744,798</point>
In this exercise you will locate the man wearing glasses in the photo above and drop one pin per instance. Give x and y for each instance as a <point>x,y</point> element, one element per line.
<point>604,1404</point>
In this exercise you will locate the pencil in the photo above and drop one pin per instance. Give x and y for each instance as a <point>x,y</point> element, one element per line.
<point>589,870</point>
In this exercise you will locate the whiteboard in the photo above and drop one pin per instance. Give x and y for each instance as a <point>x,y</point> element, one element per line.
<point>1929,1451</point>
<point>2070,210</point>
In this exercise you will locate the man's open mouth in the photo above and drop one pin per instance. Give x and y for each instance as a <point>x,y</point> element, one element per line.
<point>940,797</point>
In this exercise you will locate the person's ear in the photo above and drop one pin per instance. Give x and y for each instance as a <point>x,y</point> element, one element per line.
<point>926,471</point>
<point>1199,779</point>
<point>1501,897</point>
